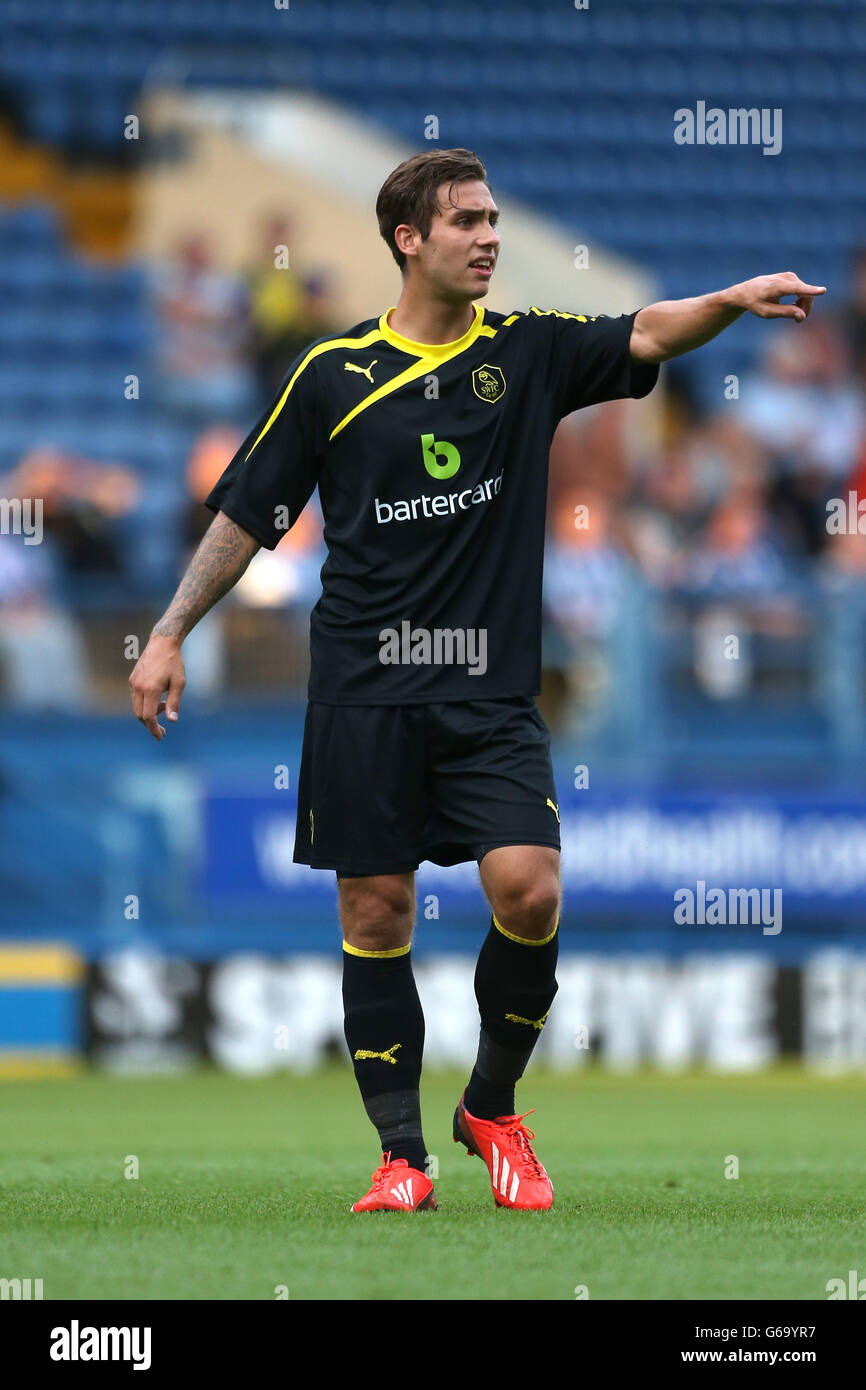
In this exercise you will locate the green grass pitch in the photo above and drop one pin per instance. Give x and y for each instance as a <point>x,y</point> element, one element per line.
<point>245,1185</point>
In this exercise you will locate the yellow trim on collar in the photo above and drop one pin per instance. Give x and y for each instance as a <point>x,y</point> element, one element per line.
<point>428,356</point>
<point>432,352</point>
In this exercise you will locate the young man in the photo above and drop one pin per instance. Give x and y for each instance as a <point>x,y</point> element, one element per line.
<point>427,433</point>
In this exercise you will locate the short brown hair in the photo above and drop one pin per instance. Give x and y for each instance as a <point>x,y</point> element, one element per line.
<point>409,193</point>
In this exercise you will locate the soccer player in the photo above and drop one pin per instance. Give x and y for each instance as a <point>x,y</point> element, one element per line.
<point>427,432</point>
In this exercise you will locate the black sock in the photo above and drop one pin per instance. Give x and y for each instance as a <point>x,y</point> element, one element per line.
<point>384,1029</point>
<point>515,984</point>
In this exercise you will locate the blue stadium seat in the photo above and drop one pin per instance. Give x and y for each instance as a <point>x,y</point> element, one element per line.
<point>29,227</point>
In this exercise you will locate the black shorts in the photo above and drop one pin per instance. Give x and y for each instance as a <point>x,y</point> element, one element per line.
<point>383,787</point>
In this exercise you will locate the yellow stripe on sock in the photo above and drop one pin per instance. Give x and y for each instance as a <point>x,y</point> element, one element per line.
<point>379,955</point>
<point>525,940</point>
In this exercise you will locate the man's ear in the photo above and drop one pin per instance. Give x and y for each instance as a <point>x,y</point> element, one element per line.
<point>405,238</point>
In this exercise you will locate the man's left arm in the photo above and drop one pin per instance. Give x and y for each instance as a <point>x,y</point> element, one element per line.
<point>675,326</point>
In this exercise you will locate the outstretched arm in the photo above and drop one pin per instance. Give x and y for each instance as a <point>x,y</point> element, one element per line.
<point>675,326</point>
<point>216,566</point>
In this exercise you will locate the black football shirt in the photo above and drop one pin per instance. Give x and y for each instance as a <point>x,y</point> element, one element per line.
<point>431,463</point>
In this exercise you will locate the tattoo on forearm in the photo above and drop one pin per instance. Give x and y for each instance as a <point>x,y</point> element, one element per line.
<point>219,562</point>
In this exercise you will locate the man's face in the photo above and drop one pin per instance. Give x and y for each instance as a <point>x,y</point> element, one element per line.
<point>459,256</point>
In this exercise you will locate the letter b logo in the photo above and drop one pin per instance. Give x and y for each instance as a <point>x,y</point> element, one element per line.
<point>430,449</point>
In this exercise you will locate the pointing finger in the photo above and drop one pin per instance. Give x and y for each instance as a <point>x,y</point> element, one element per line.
<point>800,288</point>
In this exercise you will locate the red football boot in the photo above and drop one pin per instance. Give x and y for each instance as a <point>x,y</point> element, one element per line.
<point>516,1175</point>
<point>397,1187</point>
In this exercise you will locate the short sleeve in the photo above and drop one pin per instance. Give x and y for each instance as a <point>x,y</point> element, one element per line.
<point>274,473</point>
<point>588,359</point>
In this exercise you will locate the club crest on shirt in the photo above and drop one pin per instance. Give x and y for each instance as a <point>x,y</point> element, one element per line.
<point>488,383</point>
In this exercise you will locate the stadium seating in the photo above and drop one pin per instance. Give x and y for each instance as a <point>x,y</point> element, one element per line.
<point>593,140</point>
<point>589,140</point>
<point>585,130</point>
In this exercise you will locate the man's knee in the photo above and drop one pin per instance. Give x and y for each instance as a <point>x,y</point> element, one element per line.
<point>528,907</point>
<point>377,912</point>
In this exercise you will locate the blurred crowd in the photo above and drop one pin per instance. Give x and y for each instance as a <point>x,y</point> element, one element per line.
<point>222,343</point>
<point>226,339</point>
<point>715,500</point>
<point>724,507</point>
